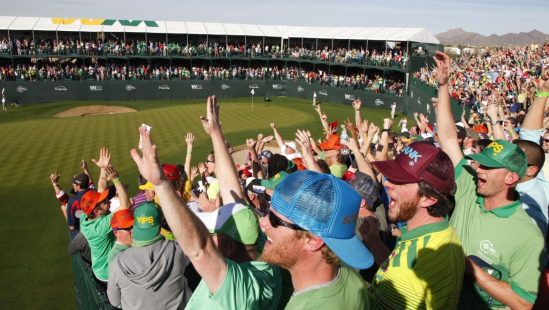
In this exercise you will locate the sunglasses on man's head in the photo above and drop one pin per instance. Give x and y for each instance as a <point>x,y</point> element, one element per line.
<point>126,229</point>
<point>276,221</point>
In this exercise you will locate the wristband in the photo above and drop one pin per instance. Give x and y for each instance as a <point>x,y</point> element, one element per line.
<point>56,184</point>
<point>189,153</point>
<point>512,132</point>
<point>116,181</point>
<point>540,94</point>
<point>385,130</point>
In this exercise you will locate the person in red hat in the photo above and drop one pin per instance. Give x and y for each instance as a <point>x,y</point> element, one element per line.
<point>95,222</point>
<point>335,160</point>
<point>122,225</point>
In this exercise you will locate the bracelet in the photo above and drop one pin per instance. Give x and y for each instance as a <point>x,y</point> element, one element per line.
<point>385,130</point>
<point>56,184</point>
<point>540,94</point>
<point>189,153</point>
<point>512,132</point>
<point>357,110</point>
<point>116,181</point>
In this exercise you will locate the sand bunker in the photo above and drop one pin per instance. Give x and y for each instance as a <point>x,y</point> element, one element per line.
<point>94,110</point>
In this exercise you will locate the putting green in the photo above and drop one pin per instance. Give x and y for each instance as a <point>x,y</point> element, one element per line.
<point>36,269</point>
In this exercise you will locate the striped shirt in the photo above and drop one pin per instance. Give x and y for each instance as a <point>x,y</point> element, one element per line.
<point>424,271</point>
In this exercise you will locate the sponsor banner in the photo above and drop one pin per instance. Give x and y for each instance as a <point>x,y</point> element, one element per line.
<point>225,86</point>
<point>299,89</point>
<point>379,102</point>
<point>323,92</point>
<point>196,86</point>
<point>96,87</point>
<point>164,87</point>
<point>21,89</point>
<point>253,86</point>
<point>130,87</point>
<point>277,86</point>
<point>349,97</point>
<point>60,88</point>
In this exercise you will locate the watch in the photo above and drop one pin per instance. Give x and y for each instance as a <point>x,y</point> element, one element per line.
<point>494,122</point>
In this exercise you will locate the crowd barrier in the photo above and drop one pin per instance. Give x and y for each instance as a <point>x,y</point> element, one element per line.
<point>417,100</point>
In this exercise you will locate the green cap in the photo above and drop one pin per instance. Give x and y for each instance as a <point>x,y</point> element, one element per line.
<point>502,154</point>
<point>147,219</point>
<point>416,138</point>
<point>273,182</point>
<point>235,220</point>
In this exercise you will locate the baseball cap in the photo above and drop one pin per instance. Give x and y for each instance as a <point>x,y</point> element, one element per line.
<point>502,154</point>
<point>235,220</point>
<point>471,133</point>
<point>365,185</point>
<point>122,219</point>
<point>291,145</point>
<point>148,217</point>
<point>80,179</point>
<point>461,132</point>
<point>331,143</point>
<point>417,162</point>
<point>171,171</point>
<point>90,200</point>
<point>267,154</point>
<point>327,207</point>
<point>147,185</point>
<point>273,182</point>
<point>481,129</point>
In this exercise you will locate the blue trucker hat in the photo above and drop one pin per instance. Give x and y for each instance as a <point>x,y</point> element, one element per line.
<point>327,207</point>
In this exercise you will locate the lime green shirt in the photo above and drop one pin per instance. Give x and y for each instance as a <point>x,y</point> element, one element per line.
<point>249,285</point>
<point>100,239</point>
<point>424,271</point>
<point>504,236</point>
<point>346,291</point>
<point>338,170</point>
<point>116,248</point>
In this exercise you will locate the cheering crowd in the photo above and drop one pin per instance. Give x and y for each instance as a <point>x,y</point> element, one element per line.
<point>446,214</point>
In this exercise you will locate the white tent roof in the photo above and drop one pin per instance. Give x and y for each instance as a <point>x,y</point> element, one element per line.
<point>103,25</point>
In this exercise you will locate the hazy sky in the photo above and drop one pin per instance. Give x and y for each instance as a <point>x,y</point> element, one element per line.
<point>483,16</point>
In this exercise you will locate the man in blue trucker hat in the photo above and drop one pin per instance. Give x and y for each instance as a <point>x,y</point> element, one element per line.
<point>310,232</point>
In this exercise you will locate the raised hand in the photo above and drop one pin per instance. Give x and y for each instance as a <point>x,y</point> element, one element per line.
<point>369,230</point>
<point>112,174</point>
<point>194,173</point>
<point>273,125</point>
<point>189,138</point>
<point>268,139</point>
<point>250,143</point>
<point>443,67</point>
<point>54,178</point>
<point>201,168</point>
<point>351,145</point>
<point>349,124</point>
<point>387,123</point>
<point>492,112</point>
<point>543,85</point>
<point>211,122</point>
<point>104,158</point>
<point>356,104</point>
<point>84,165</point>
<point>259,137</point>
<point>324,117</point>
<point>148,165</point>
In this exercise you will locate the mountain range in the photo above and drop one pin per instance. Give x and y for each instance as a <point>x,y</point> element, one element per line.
<point>462,37</point>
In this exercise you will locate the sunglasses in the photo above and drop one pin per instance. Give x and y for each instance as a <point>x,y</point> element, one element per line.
<point>276,221</point>
<point>546,140</point>
<point>126,229</point>
<point>210,161</point>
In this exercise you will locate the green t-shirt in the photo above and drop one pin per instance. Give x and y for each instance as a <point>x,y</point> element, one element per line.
<point>504,236</point>
<point>117,248</point>
<point>346,291</point>
<point>338,170</point>
<point>100,239</point>
<point>248,285</point>
<point>424,271</point>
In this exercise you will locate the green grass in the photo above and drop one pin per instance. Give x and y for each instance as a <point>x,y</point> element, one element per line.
<point>36,268</point>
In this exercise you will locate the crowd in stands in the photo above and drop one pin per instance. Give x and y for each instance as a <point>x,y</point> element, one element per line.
<point>444,214</point>
<point>117,47</point>
<point>70,69</point>
<point>505,74</point>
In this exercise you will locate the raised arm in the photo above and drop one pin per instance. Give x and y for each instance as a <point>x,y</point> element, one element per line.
<point>534,117</point>
<point>113,176</point>
<point>229,186</point>
<point>84,168</point>
<point>447,134</point>
<point>277,135</point>
<point>323,117</point>
<point>256,165</point>
<point>192,236</point>
<point>497,130</point>
<point>304,141</point>
<point>189,139</point>
<point>103,162</point>
<point>356,105</point>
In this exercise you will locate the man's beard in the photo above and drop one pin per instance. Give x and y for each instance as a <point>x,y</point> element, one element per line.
<point>407,211</point>
<point>282,254</point>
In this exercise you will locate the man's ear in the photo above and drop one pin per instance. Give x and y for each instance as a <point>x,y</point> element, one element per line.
<point>511,178</point>
<point>425,202</point>
<point>531,171</point>
<point>313,243</point>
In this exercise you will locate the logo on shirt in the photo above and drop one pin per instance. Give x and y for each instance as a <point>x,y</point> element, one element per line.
<point>487,248</point>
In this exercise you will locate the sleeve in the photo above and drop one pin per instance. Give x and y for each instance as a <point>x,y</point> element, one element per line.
<point>70,217</point>
<point>113,290</point>
<point>213,190</point>
<point>104,225</point>
<point>74,246</point>
<point>525,268</point>
<point>531,135</point>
